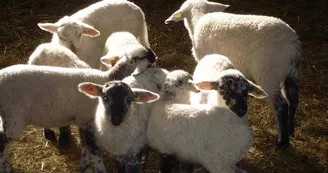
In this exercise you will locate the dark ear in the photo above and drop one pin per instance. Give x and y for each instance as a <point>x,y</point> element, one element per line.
<point>49,27</point>
<point>207,85</point>
<point>256,91</point>
<point>90,89</point>
<point>175,17</point>
<point>144,96</point>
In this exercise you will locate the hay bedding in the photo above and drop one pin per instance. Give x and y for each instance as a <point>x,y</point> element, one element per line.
<point>19,35</point>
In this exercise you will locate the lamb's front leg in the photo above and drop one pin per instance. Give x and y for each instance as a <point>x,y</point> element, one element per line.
<point>4,166</point>
<point>128,164</point>
<point>89,146</point>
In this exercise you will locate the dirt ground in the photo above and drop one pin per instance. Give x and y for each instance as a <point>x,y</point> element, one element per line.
<point>19,36</point>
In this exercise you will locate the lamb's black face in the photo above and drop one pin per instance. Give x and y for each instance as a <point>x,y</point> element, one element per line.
<point>150,55</point>
<point>117,99</point>
<point>234,90</point>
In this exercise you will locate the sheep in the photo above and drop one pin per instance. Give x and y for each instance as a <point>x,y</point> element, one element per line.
<point>121,43</point>
<point>86,31</point>
<point>118,117</point>
<point>223,85</point>
<point>127,140</point>
<point>265,49</point>
<point>212,136</point>
<point>56,55</point>
<point>152,79</point>
<point>49,98</point>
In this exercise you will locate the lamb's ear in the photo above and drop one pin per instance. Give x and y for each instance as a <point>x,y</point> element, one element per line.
<point>109,61</point>
<point>193,87</point>
<point>207,85</point>
<point>216,7</point>
<point>143,96</point>
<point>89,30</point>
<point>49,27</point>
<point>90,89</point>
<point>256,91</point>
<point>175,17</point>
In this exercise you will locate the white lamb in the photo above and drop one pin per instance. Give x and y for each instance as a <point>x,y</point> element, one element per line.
<point>75,31</point>
<point>222,85</point>
<point>265,49</point>
<point>48,97</point>
<point>55,55</point>
<point>52,54</point>
<point>126,140</point>
<point>208,135</point>
<point>122,43</point>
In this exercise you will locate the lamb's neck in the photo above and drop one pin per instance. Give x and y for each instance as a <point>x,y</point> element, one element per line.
<point>180,97</point>
<point>117,72</point>
<point>191,21</point>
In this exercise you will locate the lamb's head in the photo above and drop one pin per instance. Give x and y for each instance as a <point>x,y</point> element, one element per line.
<point>137,60</point>
<point>116,98</point>
<point>69,31</point>
<point>193,9</point>
<point>177,86</point>
<point>233,89</point>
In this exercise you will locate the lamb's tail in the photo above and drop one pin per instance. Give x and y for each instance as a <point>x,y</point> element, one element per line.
<point>291,89</point>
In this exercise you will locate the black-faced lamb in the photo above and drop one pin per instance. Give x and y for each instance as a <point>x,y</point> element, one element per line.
<point>265,49</point>
<point>212,136</point>
<point>49,98</point>
<point>126,141</point>
<point>222,85</point>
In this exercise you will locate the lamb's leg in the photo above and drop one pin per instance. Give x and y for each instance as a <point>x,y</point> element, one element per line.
<point>133,164</point>
<point>9,131</point>
<point>120,165</point>
<point>186,167</point>
<point>143,156</point>
<point>88,143</point>
<point>291,90</point>
<point>49,135</point>
<point>128,164</point>
<point>4,141</point>
<point>280,110</point>
<point>167,163</point>
<point>63,140</point>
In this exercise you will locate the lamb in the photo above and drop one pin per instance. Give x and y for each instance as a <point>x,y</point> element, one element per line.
<point>49,98</point>
<point>126,140</point>
<point>76,32</point>
<point>265,49</point>
<point>223,85</point>
<point>212,136</point>
<point>121,43</point>
<point>56,55</point>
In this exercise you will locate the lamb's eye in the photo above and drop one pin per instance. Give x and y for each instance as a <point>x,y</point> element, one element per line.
<point>129,99</point>
<point>105,98</point>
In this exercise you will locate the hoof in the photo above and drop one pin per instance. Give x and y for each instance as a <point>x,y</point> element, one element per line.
<point>283,144</point>
<point>63,141</point>
<point>49,135</point>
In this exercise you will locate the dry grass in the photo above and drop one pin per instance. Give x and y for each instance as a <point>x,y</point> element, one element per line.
<point>19,35</point>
